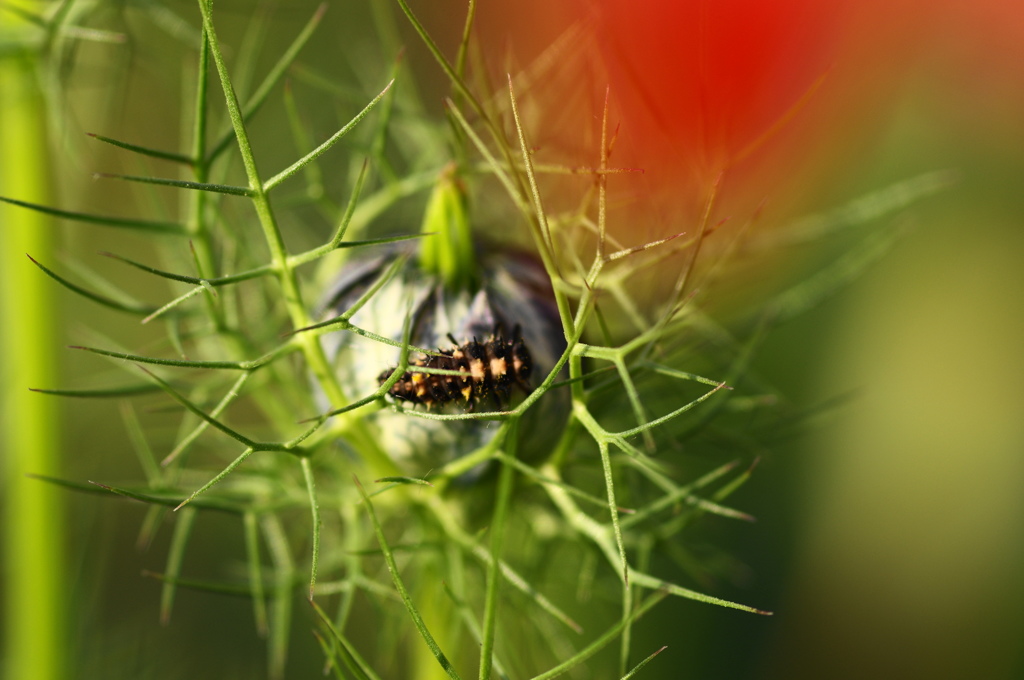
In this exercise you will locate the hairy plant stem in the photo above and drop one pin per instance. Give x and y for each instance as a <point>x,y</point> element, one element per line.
<point>285,272</point>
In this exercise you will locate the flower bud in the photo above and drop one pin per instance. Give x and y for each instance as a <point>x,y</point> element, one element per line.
<point>489,322</point>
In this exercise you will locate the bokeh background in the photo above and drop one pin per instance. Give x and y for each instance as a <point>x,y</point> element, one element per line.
<point>890,540</point>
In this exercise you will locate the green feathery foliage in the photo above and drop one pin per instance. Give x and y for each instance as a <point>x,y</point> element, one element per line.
<point>487,539</point>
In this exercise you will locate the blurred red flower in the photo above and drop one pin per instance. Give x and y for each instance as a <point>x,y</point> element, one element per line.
<point>700,82</point>
<point>734,94</point>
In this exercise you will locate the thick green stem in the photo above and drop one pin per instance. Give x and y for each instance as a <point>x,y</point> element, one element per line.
<point>33,560</point>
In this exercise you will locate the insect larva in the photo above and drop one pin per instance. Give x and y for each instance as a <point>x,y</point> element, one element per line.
<point>487,369</point>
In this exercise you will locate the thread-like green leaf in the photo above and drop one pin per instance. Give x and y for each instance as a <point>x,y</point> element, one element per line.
<point>174,304</point>
<point>604,640</point>
<point>217,587</point>
<point>669,416</point>
<point>403,480</point>
<point>320,251</point>
<point>129,307</point>
<point>414,614</point>
<point>648,581</point>
<point>636,668</point>
<point>234,434</point>
<point>320,150</point>
<point>542,232</point>
<point>229,189</point>
<point>457,82</point>
<point>313,175</point>
<point>106,221</point>
<point>145,151</point>
<point>272,78</point>
<point>824,283</point>
<point>188,363</point>
<point>676,495</point>
<point>152,270</point>
<point>143,451</point>
<point>863,210</point>
<point>348,653</point>
<point>184,522</point>
<point>314,506</point>
<point>216,479</point>
<point>499,519</point>
<point>281,612</point>
<point>93,35</point>
<point>534,474</point>
<point>187,440</point>
<point>148,496</point>
<point>255,569</point>
<point>102,393</point>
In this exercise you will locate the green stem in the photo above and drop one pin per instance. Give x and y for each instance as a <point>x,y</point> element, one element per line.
<point>310,345</point>
<point>498,524</point>
<point>202,238</point>
<point>33,555</point>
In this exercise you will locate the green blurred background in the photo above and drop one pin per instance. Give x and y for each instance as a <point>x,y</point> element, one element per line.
<point>890,540</point>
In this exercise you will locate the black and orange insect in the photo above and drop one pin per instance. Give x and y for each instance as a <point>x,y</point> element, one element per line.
<point>480,371</point>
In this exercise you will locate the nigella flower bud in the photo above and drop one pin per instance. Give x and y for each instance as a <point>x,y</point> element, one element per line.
<point>513,302</point>
<point>497,324</point>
